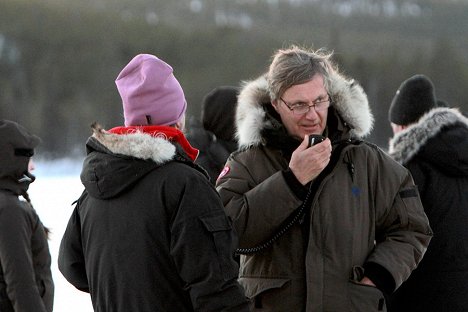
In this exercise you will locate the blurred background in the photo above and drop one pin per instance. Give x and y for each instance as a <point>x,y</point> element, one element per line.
<point>59,58</point>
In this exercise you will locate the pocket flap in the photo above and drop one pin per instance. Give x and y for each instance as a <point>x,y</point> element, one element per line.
<point>255,285</point>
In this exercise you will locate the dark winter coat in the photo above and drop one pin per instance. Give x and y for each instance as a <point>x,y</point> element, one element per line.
<point>214,134</point>
<point>214,151</point>
<point>365,216</point>
<point>149,232</point>
<point>435,150</point>
<point>25,277</point>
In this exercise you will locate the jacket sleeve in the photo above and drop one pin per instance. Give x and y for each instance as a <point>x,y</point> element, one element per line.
<point>258,197</point>
<point>16,228</point>
<point>202,247</point>
<point>71,261</point>
<point>402,231</point>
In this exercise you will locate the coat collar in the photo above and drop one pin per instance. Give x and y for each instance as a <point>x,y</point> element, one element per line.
<point>407,143</point>
<point>148,143</point>
<point>350,102</point>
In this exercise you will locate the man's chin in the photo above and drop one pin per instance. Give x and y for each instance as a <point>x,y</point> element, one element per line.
<point>311,130</point>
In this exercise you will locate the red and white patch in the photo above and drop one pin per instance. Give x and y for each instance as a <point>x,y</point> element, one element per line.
<point>223,172</point>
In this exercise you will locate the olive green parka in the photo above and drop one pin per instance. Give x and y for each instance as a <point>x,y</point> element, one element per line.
<point>363,214</point>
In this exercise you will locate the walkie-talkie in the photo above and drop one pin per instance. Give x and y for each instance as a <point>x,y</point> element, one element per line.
<point>315,139</point>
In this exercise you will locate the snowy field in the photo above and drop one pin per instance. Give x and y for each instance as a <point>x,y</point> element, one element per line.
<point>57,185</point>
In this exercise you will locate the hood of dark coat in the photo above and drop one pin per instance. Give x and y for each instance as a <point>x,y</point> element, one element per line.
<point>218,112</point>
<point>253,115</point>
<point>15,144</point>
<point>203,139</point>
<point>440,137</point>
<point>115,162</point>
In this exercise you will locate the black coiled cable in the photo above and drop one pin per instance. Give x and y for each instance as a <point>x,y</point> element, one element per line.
<point>286,225</point>
<point>301,211</point>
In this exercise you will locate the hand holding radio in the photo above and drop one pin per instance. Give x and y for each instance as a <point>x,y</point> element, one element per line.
<point>310,158</point>
<point>315,139</point>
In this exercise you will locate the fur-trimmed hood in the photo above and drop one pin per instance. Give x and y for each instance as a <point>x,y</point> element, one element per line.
<point>349,100</point>
<point>447,126</point>
<point>115,162</point>
<point>137,144</point>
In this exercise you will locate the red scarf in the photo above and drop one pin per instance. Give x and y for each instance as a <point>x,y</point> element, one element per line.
<point>164,132</point>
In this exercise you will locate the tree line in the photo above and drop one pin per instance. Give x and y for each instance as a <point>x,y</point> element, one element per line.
<point>58,61</point>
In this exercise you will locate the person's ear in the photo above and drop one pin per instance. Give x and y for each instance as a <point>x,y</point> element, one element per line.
<point>180,125</point>
<point>275,104</point>
<point>398,128</point>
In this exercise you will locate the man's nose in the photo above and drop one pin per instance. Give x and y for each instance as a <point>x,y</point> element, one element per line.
<point>31,165</point>
<point>311,114</point>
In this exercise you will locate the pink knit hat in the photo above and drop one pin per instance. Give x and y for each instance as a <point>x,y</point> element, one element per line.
<point>150,93</point>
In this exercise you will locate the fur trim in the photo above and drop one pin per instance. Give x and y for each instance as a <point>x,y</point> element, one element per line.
<point>349,100</point>
<point>137,144</point>
<point>407,143</point>
<point>250,116</point>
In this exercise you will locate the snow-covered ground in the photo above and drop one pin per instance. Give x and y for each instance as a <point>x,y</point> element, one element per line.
<point>57,185</point>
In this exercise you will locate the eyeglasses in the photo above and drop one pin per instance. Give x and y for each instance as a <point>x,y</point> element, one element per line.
<point>319,105</point>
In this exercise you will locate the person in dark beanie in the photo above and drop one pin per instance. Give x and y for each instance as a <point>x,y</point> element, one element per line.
<point>214,135</point>
<point>149,232</point>
<point>432,142</point>
<point>26,283</point>
<point>414,97</point>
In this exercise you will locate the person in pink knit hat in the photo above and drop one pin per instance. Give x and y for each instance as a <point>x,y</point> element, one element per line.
<point>149,232</point>
<point>151,95</point>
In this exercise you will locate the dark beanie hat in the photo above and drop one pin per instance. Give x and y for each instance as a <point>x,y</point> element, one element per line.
<point>414,97</point>
<point>219,110</point>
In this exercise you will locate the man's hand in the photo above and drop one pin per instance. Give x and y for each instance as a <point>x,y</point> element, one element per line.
<point>307,163</point>
<point>367,281</point>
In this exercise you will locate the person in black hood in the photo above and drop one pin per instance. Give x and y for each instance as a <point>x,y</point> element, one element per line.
<point>149,232</point>
<point>26,283</point>
<point>214,136</point>
<point>431,140</point>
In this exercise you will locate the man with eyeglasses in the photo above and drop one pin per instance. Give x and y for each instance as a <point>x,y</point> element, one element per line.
<point>335,226</point>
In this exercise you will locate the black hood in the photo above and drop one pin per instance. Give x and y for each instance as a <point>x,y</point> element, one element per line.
<point>106,174</point>
<point>16,148</point>
<point>116,162</point>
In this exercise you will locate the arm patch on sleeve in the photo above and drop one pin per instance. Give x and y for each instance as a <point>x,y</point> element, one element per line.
<point>412,192</point>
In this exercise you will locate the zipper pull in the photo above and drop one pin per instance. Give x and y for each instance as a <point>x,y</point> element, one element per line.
<point>351,170</point>
<point>350,165</point>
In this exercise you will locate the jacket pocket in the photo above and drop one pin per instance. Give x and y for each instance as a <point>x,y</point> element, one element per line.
<point>224,239</point>
<point>365,298</point>
<point>268,294</point>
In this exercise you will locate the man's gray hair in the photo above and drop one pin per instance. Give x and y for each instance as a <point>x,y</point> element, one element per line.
<point>295,65</point>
